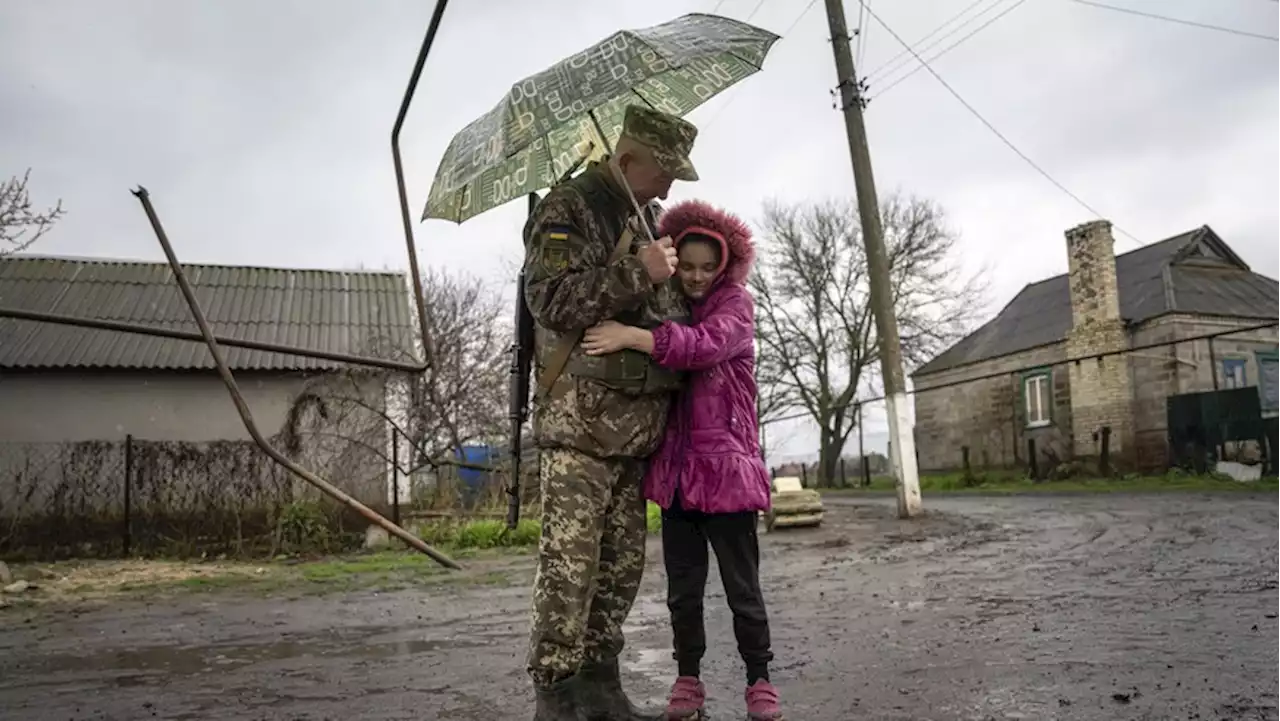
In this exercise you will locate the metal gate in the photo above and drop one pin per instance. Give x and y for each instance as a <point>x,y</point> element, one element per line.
<point>1200,423</point>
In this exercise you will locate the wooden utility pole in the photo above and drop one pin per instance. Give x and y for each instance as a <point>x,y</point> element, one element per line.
<point>902,447</point>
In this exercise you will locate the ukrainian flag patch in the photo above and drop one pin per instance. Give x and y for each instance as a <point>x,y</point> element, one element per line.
<point>558,233</point>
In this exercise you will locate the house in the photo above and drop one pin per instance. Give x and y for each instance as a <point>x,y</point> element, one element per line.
<point>71,396</point>
<point>1010,380</point>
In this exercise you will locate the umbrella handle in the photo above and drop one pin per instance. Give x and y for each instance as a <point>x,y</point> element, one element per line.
<point>635,205</point>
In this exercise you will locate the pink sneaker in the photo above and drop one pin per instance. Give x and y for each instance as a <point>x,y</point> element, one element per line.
<point>762,702</point>
<point>688,696</point>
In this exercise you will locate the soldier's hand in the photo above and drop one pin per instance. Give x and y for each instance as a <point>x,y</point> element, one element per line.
<point>659,259</point>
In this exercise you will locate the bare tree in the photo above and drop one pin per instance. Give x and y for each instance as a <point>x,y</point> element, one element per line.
<point>462,397</point>
<point>20,224</point>
<point>815,332</point>
<point>459,400</point>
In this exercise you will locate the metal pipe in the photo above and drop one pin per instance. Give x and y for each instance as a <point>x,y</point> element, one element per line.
<point>123,327</point>
<point>427,42</point>
<point>246,416</point>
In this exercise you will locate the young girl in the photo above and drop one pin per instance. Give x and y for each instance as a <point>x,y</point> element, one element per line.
<point>708,476</point>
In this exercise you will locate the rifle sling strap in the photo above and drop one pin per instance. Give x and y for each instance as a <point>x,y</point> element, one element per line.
<point>560,355</point>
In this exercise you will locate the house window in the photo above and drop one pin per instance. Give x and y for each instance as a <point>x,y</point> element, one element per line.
<point>1233,373</point>
<point>1037,393</point>
<point>1267,381</point>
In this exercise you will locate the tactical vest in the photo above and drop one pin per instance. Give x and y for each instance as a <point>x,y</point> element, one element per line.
<point>628,371</point>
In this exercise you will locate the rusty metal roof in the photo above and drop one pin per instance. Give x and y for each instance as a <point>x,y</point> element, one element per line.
<point>358,312</point>
<point>1168,276</point>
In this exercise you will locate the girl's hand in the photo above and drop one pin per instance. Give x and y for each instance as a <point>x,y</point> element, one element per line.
<point>607,337</point>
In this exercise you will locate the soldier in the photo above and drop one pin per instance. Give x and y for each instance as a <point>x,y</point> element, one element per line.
<point>587,260</point>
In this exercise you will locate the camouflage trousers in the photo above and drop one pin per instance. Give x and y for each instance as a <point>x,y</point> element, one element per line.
<point>590,560</point>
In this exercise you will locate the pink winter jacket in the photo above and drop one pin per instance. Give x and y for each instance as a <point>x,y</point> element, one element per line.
<point>711,450</point>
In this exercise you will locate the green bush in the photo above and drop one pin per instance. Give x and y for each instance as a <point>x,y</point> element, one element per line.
<point>303,526</point>
<point>653,518</point>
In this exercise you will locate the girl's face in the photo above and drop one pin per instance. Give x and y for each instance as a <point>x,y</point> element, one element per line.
<point>697,269</point>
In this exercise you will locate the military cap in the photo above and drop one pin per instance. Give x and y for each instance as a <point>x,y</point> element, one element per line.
<point>668,137</point>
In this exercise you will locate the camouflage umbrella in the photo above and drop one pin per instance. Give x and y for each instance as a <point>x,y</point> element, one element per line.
<point>548,122</point>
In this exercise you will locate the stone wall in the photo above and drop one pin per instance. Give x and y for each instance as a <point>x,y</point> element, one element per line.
<point>989,415</point>
<point>1101,392</point>
<point>1184,368</point>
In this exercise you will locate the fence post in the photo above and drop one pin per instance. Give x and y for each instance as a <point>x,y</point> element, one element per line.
<point>866,471</point>
<point>395,475</point>
<point>1032,460</point>
<point>804,474</point>
<point>1104,458</point>
<point>126,530</point>
<point>964,462</point>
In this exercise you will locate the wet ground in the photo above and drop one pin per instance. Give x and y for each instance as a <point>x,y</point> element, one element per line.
<point>1098,608</point>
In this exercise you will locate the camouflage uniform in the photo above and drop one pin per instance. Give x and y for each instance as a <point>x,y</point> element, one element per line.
<point>604,415</point>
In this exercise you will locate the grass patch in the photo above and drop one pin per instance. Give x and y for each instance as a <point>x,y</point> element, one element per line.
<point>1015,483</point>
<point>485,545</point>
<point>653,518</point>
<point>479,534</point>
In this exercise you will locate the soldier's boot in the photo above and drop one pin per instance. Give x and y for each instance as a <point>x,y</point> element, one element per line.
<point>559,702</point>
<point>601,697</point>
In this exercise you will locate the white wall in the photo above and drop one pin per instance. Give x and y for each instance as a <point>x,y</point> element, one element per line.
<point>156,406</point>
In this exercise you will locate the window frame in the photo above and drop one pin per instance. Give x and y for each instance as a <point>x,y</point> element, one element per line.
<point>1038,377</point>
<point>1264,356</point>
<point>1231,362</point>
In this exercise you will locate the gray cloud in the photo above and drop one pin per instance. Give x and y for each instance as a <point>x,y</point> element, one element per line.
<point>262,129</point>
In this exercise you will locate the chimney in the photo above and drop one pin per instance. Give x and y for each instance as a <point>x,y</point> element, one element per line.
<point>1091,273</point>
<point>1100,388</point>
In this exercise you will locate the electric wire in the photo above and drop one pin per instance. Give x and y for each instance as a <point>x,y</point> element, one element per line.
<point>994,130</point>
<point>948,49</point>
<point>903,58</point>
<point>1166,18</point>
<point>732,94</point>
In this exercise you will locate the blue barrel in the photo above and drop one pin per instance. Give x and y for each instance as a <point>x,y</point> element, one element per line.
<point>474,481</point>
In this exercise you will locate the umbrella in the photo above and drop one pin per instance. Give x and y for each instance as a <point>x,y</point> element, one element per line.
<point>549,121</point>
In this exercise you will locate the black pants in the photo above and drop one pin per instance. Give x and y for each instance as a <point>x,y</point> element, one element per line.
<point>685,536</point>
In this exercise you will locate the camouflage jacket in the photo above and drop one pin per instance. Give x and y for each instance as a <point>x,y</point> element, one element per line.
<point>607,406</point>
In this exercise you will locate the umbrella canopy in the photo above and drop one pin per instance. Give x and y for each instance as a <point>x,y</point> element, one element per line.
<point>549,121</point>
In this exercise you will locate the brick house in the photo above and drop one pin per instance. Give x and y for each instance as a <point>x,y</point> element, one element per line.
<point>1009,380</point>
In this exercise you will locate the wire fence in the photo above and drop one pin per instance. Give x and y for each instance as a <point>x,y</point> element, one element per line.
<point>140,497</point>
<point>1185,393</point>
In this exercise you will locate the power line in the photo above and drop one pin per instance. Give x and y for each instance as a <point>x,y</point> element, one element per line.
<point>993,128</point>
<point>862,25</point>
<point>861,50</point>
<point>807,8</point>
<point>1067,361</point>
<point>952,46</point>
<point>903,54</point>
<point>785,34</point>
<point>1179,21</point>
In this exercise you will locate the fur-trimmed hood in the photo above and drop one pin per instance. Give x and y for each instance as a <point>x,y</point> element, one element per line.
<point>737,249</point>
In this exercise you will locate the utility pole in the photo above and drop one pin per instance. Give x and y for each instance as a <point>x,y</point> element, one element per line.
<point>902,447</point>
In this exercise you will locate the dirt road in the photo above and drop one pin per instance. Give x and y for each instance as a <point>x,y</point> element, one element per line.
<point>1097,608</point>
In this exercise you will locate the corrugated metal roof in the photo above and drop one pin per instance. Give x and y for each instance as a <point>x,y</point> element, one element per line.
<point>357,312</point>
<point>1041,313</point>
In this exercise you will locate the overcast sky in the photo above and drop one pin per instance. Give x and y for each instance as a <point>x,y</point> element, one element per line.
<point>262,128</point>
